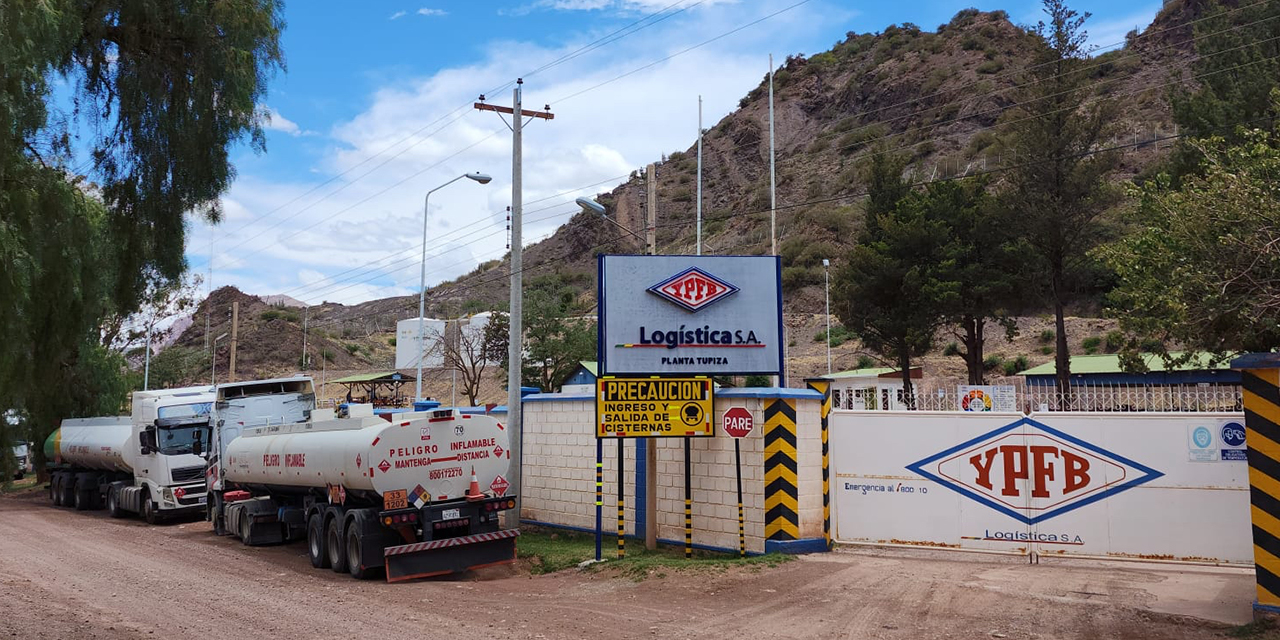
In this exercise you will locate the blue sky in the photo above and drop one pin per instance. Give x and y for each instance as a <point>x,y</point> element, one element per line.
<point>374,111</point>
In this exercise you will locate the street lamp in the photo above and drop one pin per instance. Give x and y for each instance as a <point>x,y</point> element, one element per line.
<point>591,206</point>
<point>214,373</point>
<point>422,285</point>
<point>826,275</point>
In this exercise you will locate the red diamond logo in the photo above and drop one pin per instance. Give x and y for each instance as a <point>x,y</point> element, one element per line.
<point>693,289</point>
<point>497,452</point>
<point>499,486</point>
<point>384,465</point>
<point>357,461</point>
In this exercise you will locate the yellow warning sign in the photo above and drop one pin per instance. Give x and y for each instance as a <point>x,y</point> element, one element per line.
<point>654,407</point>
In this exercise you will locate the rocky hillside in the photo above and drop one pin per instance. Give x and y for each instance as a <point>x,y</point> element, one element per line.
<point>939,97</point>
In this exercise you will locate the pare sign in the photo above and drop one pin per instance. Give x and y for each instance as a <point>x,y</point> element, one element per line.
<point>1033,472</point>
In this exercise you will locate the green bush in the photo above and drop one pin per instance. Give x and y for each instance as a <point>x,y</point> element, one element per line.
<point>993,361</point>
<point>1115,341</point>
<point>1091,344</point>
<point>327,354</point>
<point>352,348</point>
<point>839,335</point>
<point>279,314</point>
<point>865,362</point>
<point>1017,365</point>
<point>1047,335</point>
<point>1151,345</point>
<point>990,66</point>
<point>856,139</point>
<point>1046,350</point>
<point>795,277</point>
<point>391,341</point>
<point>756,381</point>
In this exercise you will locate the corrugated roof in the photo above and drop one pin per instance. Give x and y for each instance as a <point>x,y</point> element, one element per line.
<point>373,377</point>
<point>1110,363</point>
<point>862,373</point>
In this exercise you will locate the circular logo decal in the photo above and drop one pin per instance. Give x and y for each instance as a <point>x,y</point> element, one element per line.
<point>1233,434</point>
<point>976,400</point>
<point>1202,437</point>
<point>691,414</point>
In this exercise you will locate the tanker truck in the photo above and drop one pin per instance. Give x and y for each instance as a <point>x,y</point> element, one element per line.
<point>149,463</point>
<point>415,497</point>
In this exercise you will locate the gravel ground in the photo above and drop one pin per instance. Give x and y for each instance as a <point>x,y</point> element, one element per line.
<point>65,574</point>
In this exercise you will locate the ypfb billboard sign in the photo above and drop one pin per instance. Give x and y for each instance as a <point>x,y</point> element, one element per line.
<point>1032,472</point>
<point>706,315</point>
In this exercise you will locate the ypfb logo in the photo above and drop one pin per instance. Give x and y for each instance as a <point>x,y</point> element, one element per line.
<point>693,289</point>
<point>1032,472</point>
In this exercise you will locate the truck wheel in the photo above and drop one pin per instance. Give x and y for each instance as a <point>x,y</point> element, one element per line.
<point>113,503</point>
<point>246,524</point>
<point>83,496</point>
<point>68,490</point>
<point>217,515</point>
<point>149,510</point>
<point>315,542</point>
<point>355,540</point>
<point>55,491</point>
<point>337,550</point>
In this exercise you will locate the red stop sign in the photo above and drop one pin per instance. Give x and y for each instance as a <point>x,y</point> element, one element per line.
<point>738,422</point>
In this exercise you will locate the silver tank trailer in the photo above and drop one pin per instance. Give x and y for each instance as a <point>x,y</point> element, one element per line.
<point>95,443</point>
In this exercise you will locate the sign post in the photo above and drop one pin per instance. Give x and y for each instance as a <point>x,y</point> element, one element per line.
<point>738,423</point>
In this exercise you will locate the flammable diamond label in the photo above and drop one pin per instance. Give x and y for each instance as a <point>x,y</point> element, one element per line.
<point>1032,472</point>
<point>384,465</point>
<point>693,289</point>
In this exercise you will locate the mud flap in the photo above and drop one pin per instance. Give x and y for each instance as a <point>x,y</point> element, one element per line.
<point>440,557</point>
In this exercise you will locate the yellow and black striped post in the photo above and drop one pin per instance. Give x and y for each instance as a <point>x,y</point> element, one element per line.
<point>599,494</point>
<point>781,494</point>
<point>742,529</point>
<point>688,498</point>
<point>1260,377</point>
<point>622,531</point>
<point>824,387</point>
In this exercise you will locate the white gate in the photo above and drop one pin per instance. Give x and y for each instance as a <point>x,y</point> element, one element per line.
<point>1169,486</point>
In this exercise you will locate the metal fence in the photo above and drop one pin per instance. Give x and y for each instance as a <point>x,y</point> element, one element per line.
<point>945,395</point>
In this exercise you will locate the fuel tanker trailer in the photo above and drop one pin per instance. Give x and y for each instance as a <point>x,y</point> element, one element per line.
<point>416,497</point>
<point>150,463</point>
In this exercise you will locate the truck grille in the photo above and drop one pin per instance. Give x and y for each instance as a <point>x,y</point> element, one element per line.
<point>187,474</point>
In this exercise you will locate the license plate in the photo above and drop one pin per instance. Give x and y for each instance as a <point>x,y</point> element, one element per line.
<point>202,499</point>
<point>451,514</point>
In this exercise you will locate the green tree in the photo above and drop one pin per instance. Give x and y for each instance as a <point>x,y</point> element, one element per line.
<point>557,337</point>
<point>1237,69</point>
<point>979,263</point>
<point>1202,268</point>
<point>889,290</point>
<point>1058,188</point>
<point>159,92</point>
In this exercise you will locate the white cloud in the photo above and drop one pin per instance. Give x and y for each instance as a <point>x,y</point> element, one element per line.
<point>427,11</point>
<point>397,15</point>
<point>371,209</point>
<point>273,121</point>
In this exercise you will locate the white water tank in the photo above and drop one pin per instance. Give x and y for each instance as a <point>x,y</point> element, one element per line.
<point>407,342</point>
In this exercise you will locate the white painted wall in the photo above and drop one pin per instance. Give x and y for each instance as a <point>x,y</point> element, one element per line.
<point>1194,510</point>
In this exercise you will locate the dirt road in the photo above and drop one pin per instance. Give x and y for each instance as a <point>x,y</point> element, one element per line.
<point>66,574</point>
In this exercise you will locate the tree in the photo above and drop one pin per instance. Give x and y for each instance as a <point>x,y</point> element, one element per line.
<point>889,289</point>
<point>470,350</point>
<point>163,300</point>
<point>1203,266</point>
<point>1237,68</point>
<point>1058,187</point>
<point>556,339</point>
<point>979,263</point>
<point>165,88</point>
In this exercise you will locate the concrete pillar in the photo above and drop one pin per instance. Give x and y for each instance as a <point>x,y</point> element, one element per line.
<point>1260,377</point>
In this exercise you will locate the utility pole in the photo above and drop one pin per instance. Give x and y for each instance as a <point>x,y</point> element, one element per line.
<point>515,338</point>
<point>699,175</point>
<point>651,210</point>
<point>235,325</point>
<point>773,181</point>
<point>306,313</point>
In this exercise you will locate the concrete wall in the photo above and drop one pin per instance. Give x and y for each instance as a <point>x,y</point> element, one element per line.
<point>559,473</point>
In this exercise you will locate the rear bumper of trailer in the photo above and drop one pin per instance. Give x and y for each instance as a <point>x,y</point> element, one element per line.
<point>440,557</point>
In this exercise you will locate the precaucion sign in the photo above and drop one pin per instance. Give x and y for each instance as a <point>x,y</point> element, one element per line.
<point>654,407</point>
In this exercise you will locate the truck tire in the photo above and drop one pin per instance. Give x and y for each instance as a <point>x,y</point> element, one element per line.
<point>67,490</point>
<point>83,492</point>
<point>217,514</point>
<point>149,510</point>
<point>337,545</point>
<point>246,524</point>
<point>316,547</point>
<point>55,490</point>
<point>113,502</point>
<point>355,542</point>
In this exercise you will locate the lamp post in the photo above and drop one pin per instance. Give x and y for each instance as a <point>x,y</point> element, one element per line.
<point>826,275</point>
<point>422,285</point>
<point>591,206</point>
<point>214,373</point>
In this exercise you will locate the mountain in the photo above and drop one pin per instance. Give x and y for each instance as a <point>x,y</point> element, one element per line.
<point>939,96</point>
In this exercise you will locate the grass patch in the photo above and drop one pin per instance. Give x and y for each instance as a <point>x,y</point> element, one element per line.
<point>15,486</point>
<point>553,550</point>
<point>1257,629</point>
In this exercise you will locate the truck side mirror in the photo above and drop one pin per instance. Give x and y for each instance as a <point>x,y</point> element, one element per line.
<point>147,440</point>
<point>197,447</point>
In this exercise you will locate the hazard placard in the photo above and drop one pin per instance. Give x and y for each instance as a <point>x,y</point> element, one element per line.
<point>398,499</point>
<point>654,407</point>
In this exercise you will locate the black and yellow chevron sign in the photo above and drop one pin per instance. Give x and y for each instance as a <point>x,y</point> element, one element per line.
<point>781,502</point>
<point>824,387</point>
<point>1262,435</point>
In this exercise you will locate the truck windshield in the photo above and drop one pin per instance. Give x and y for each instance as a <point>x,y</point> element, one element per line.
<point>178,439</point>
